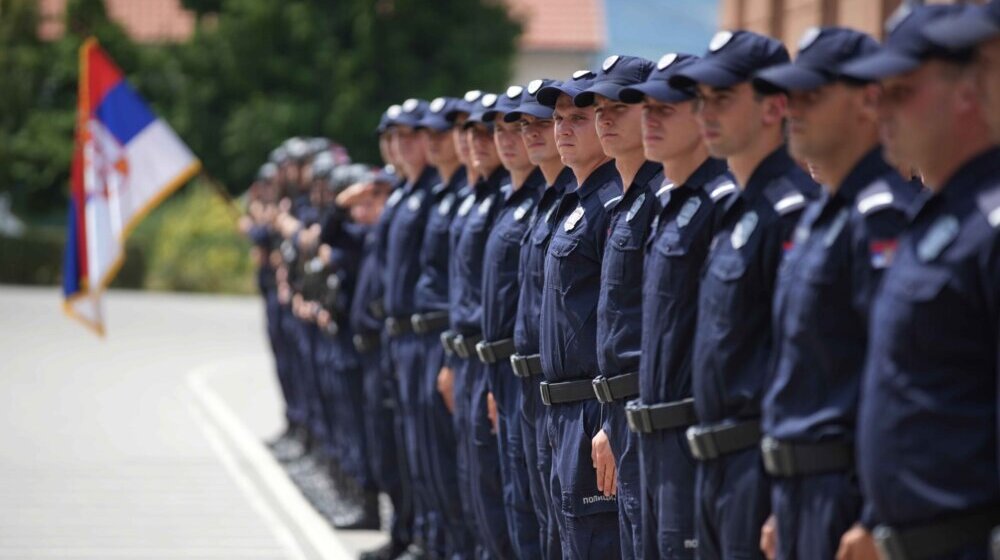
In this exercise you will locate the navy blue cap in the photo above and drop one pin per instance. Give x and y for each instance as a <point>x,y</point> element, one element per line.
<point>412,111</point>
<point>733,57</point>
<point>657,85</point>
<point>506,102</point>
<point>967,29</point>
<point>435,118</point>
<point>388,118</point>
<point>823,51</point>
<point>530,104</point>
<point>617,73</point>
<point>907,46</point>
<point>467,104</point>
<point>485,103</point>
<point>579,81</point>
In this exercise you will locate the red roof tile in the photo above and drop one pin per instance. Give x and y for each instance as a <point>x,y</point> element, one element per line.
<point>145,21</point>
<point>560,24</point>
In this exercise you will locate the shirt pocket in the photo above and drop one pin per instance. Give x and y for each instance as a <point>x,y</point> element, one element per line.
<point>624,258</point>
<point>560,273</point>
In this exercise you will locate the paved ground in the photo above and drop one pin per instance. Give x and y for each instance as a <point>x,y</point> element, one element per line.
<point>146,444</point>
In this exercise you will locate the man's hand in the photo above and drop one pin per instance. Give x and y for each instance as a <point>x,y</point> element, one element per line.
<point>354,194</point>
<point>769,538</point>
<point>857,544</point>
<point>446,386</point>
<point>491,411</point>
<point>604,463</point>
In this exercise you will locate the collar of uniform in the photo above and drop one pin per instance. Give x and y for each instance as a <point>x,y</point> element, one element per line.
<point>491,183</point>
<point>648,172</point>
<point>871,166</point>
<point>971,176</point>
<point>604,174</point>
<point>532,183</point>
<point>428,177</point>
<point>708,170</point>
<point>776,164</point>
<point>564,180</point>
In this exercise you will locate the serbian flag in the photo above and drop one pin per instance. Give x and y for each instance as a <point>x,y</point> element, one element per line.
<point>125,161</point>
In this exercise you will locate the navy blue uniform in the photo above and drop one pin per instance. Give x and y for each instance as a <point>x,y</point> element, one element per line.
<point>534,418</point>
<point>688,218</point>
<point>470,229</point>
<point>568,348</point>
<point>825,289</point>
<point>501,259</point>
<point>438,439</point>
<point>733,347</point>
<point>402,269</point>
<point>619,322</point>
<point>927,435</point>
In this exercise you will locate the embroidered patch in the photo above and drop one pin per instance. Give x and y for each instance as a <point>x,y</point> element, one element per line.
<point>688,211</point>
<point>939,236</point>
<point>573,219</point>
<point>744,229</point>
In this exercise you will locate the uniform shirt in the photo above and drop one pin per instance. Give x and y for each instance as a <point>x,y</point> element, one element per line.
<point>502,257</point>
<point>927,436</point>
<point>381,241</point>
<point>531,272</point>
<point>681,233</point>
<point>568,324</point>
<point>619,302</point>
<point>405,235</point>
<point>367,288</point>
<point>733,335</point>
<point>432,287</point>
<point>469,231</point>
<point>825,288</point>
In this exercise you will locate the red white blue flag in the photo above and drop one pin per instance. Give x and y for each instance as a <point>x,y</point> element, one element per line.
<point>125,162</point>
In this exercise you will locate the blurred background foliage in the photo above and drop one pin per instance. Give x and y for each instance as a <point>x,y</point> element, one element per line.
<point>254,73</point>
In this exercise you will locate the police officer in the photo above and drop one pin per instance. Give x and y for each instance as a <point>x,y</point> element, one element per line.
<point>402,270</point>
<point>842,245</point>
<point>619,129</point>
<point>695,190</point>
<point>469,231</point>
<point>535,120</point>
<point>927,418</point>
<point>501,258</point>
<point>450,535</point>
<point>587,514</point>
<point>733,334</point>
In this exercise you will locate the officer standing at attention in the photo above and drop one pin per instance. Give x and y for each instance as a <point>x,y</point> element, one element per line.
<point>567,332</point>
<point>402,270</point>
<point>500,291</point>
<point>842,245</point>
<point>469,230</point>
<point>931,372</point>
<point>695,190</point>
<point>536,125</point>
<point>619,129</point>
<point>449,533</point>
<point>732,347</point>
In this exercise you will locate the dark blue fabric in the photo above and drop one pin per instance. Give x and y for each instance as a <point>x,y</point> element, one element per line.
<point>432,286</point>
<point>404,239</point>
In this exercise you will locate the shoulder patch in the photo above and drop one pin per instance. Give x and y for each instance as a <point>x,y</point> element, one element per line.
<point>874,198</point>
<point>667,187</point>
<point>784,197</point>
<point>612,202</point>
<point>723,189</point>
<point>989,203</point>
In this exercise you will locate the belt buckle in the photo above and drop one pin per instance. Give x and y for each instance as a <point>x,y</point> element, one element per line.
<point>638,417</point>
<point>460,350</point>
<point>546,394</point>
<point>418,323</point>
<point>359,343</point>
<point>485,353</point>
<point>890,546</point>
<point>778,458</point>
<point>602,390</point>
<point>447,343</point>
<point>515,363</point>
<point>701,440</point>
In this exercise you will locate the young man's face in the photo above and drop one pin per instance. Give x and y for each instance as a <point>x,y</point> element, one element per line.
<point>822,119</point>
<point>409,145</point>
<point>483,149</point>
<point>668,129</point>
<point>730,119</point>
<point>441,148</point>
<point>539,138</point>
<point>576,135</point>
<point>988,83</point>
<point>461,140</point>
<point>619,126</point>
<point>510,147</point>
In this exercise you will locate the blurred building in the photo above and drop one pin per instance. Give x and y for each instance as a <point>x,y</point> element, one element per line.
<point>788,19</point>
<point>145,21</point>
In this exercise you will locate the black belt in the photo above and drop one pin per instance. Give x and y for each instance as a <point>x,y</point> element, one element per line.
<point>665,416</point>
<point>937,538</point>
<point>365,343</point>
<point>448,342</point>
<point>465,344</point>
<point>398,326</point>
<point>526,366</point>
<point>712,442</point>
<point>493,352</point>
<point>427,323</point>
<point>566,391</point>
<point>782,458</point>
<point>610,389</point>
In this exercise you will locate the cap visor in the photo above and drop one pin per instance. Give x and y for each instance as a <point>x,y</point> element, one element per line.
<point>706,72</point>
<point>550,94</point>
<point>963,31</point>
<point>789,77</point>
<point>879,65</point>
<point>607,89</point>
<point>437,123</point>
<point>406,120</point>
<point>658,90</point>
<point>534,109</point>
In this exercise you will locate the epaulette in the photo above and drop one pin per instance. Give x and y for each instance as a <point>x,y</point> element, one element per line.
<point>439,188</point>
<point>875,197</point>
<point>989,203</point>
<point>784,197</point>
<point>609,204</point>
<point>721,187</point>
<point>506,189</point>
